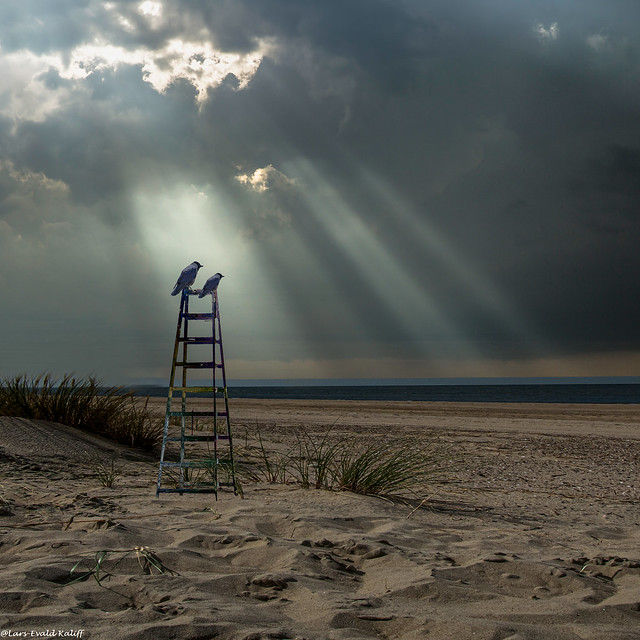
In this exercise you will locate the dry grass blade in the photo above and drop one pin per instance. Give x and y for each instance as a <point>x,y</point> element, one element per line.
<point>258,463</point>
<point>97,571</point>
<point>147,560</point>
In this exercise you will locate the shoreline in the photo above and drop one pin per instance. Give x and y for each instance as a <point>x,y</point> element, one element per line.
<point>611,420</point>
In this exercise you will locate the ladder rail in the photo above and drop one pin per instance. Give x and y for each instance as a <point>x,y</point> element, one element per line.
<point>214,311</point>
<point>218,322</point>
<point>172,378</point>
<point>185,346</point>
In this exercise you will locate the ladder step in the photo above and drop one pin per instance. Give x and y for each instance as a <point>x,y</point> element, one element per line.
<point>192,414</point>
<point>208,438</point>
<point>198,340</point>
<point>198,316</point>
<point>199,389</point>
<point>197,464</point>
<point>197,365</point>
<point>189,490</point>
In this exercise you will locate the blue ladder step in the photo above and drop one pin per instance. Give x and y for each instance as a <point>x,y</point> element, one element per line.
<point>189,490</point>
<point>198,316</point>
<point>192,414</point>
<point>198,389</point>
<point>196,365</point>
<point>204,464</point>
<point>209,438</point>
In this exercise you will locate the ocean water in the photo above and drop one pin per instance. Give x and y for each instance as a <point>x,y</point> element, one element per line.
<point>537,393</point>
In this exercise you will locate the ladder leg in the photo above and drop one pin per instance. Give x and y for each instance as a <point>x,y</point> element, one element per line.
<point>181,481</point>
<point>215,390</point>
<point>165,433</point>
<point>184,353</point>
<point>218,323</point>
<point>182,469</point>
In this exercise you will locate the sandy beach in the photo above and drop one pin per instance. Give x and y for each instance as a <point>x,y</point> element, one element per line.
<point>533,534</point>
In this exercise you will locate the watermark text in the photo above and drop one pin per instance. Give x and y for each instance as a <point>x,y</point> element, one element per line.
<point>45,633</point>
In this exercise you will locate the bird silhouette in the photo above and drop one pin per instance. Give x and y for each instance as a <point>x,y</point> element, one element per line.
<point>210,285</point>
<point>186,278</point>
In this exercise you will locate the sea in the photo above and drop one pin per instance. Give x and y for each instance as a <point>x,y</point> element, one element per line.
<point>546,391</point>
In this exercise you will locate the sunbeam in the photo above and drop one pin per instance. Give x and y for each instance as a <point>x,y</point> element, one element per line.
<point>399,292</point>
<point>421,230</point>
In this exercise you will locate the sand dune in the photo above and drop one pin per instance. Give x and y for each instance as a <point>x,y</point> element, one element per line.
<point>535,536</point>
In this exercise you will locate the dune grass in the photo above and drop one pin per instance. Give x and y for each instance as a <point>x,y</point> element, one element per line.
<point>333,462</point>
<point>381,469</point>
<point>108,473</point>
<point>84,404</point>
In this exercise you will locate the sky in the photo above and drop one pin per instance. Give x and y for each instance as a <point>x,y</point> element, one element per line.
<point>391,188</point>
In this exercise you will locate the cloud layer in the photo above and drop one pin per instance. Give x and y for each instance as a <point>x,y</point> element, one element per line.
<point>452,186</point>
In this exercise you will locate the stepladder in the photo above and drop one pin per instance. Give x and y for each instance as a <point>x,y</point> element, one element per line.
<point>197,443</point>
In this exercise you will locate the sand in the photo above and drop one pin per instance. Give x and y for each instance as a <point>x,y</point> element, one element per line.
<point>534,535</point>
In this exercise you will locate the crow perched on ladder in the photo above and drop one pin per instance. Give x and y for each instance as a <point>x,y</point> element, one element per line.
<point>210,285</point>
<point>186,278</point>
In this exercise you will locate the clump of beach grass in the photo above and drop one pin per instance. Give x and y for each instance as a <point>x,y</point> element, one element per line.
<point>334,462</point>
<point>382,469</point>
<point>84,404</point>
<point>256,462</point>
<point>314,460</point>
<point>108,472</point>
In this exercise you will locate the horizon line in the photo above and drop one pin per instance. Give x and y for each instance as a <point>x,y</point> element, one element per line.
<point>480,380</point>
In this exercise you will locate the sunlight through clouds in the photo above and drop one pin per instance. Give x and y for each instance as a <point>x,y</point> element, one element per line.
<point>201,65</point>
<point>23,91</point>
<point>28,91</point>
<point>546,34</point>
<point>149,8</point>
<point>186,222</point>
<point>421,230</point>
<point>400,292</point>
<point>197,62</point>
<point>266,178</point>
<point>173,217</point>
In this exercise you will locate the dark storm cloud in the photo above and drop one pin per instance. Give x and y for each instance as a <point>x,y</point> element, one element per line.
<point>508,130</point>
<point>101,144</point>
